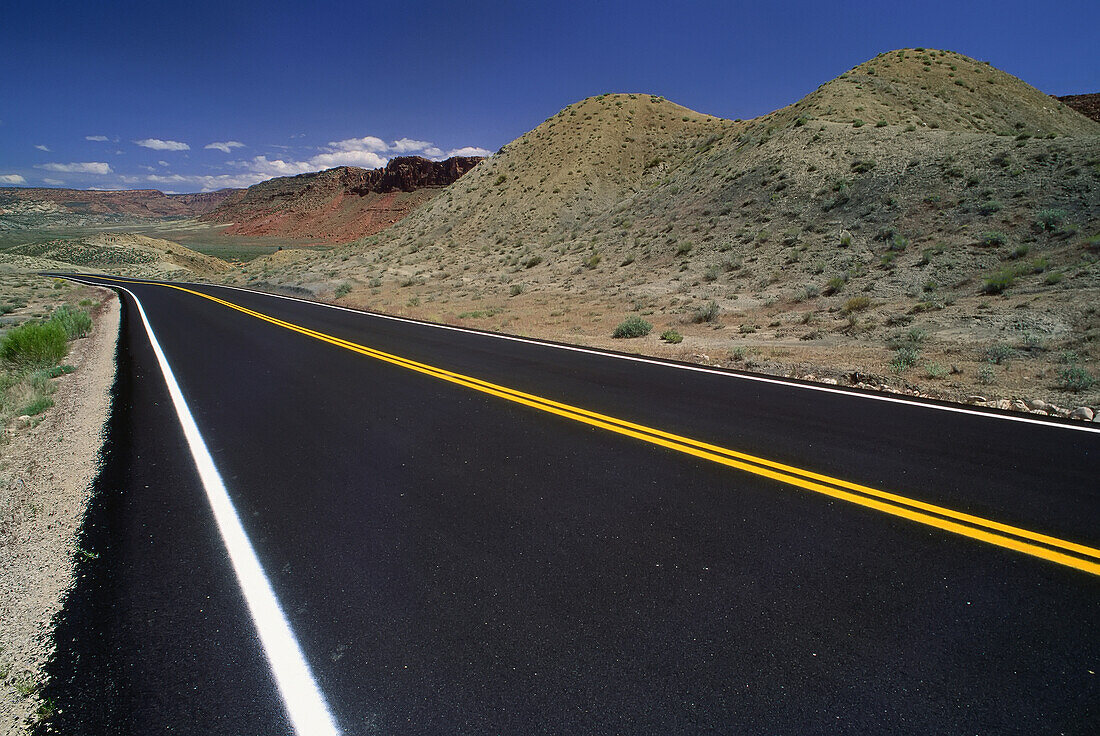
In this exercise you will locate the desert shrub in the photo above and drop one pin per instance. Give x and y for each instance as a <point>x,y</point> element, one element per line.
<point>1075,378</point>
<point>593,260</point>
<point>990,206</point>
<point>342,290</point>
<point>1049,219</point>
<point>998,353</point>
<point>684,248</point>
<point>1053,277</point>
<point>897,242</point>
<point>993,237</point>
<point>706,314</point>
<point>986,376</point>
<point>517,289</point>
<point>75,322</point>
<point>998,282</point>
<point>834,285</point>
<point>905,357</point>
<point>857,123</point>
<point>672,336</point>
<point>632,326</point>
<point>857,303</point>
<point>35,345</point>
<point>532,261</point>
<point>936,371</point>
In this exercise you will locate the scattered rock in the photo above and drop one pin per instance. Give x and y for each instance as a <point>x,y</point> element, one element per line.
<point>1003,404</point>
<point>1037,404</point>
<point>1083,413</point>
<point>1019,405</point>
<point>830,381</point>
<point>24,420</point>
<point>975,399</point>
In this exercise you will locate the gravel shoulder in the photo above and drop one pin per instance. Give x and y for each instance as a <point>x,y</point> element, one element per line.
<point>46,471</point>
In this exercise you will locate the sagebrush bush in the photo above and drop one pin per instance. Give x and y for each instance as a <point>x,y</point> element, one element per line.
<point>75,322</point>
<point>706,314</point>
<point>35,345</point>
<point>857,303</point>
<point>632,326</point>
<point>672,336</point>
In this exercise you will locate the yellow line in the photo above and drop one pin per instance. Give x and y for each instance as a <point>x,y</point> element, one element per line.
<point>989,531</point>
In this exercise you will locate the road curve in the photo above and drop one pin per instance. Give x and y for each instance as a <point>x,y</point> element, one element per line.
<point>317,520</point>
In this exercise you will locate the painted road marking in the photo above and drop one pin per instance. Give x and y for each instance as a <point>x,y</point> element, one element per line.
<point>304,703</point>
<point>909,400</point>
<point>1053,549</point>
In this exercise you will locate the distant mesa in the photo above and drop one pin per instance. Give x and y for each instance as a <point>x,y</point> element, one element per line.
<point>340,204</point>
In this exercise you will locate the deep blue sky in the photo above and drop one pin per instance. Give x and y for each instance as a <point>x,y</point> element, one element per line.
<point>289,79</point>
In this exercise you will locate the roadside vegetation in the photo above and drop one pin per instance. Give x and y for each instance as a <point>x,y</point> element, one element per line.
<point>32,355</point>
<point>39,318</point>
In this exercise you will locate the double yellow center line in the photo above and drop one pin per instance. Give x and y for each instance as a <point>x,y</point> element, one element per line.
<point>1053,549</point>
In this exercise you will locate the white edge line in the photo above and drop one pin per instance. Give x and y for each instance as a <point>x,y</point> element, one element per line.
<point>304,703</point>
<point>665,363</point>
<point>1083,427</point>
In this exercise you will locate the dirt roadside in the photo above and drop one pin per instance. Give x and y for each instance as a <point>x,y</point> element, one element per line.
<point>46,472</point>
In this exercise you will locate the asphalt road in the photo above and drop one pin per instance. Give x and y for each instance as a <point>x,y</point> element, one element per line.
<point>453,558</point>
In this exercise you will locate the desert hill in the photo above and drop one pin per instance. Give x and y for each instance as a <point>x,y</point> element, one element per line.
<point>339,204</point>
<point>124,254</point>
<point>909,219</point>
<point>938,90</point>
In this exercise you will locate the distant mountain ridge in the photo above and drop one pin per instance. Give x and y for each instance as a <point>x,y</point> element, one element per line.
<point>132,202</point>
<point>339,204</point>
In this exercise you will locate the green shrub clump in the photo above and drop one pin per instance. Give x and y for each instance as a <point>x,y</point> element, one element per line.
<point>632,326</point>
<point>75,322</point>
<point>672,336</point>
<point>35,345</point>
<point>1075,378</point>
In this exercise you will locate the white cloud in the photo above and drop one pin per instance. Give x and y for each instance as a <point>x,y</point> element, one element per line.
<point>408,145</point>
<point>87,167</point>
<point>226,146</point>
<point>368,152</point>
<point>54,182</point>
<point>158,145</point>
<point>97,138</point>
<point>41,147</point>
<point>209,183</point>
<point>162,163</point>
<point>469,151</point>
<point>364,159</point>
<point>366,143</point>
<point>12,179</point>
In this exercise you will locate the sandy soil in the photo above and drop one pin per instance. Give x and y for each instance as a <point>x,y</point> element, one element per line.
<point>46,470</point>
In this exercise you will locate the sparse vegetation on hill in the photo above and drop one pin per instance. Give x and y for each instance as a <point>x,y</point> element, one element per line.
<point>124,254</point>
<point>967,210</point>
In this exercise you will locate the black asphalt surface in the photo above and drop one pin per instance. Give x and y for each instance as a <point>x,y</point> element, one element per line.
<point>453,563</point>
